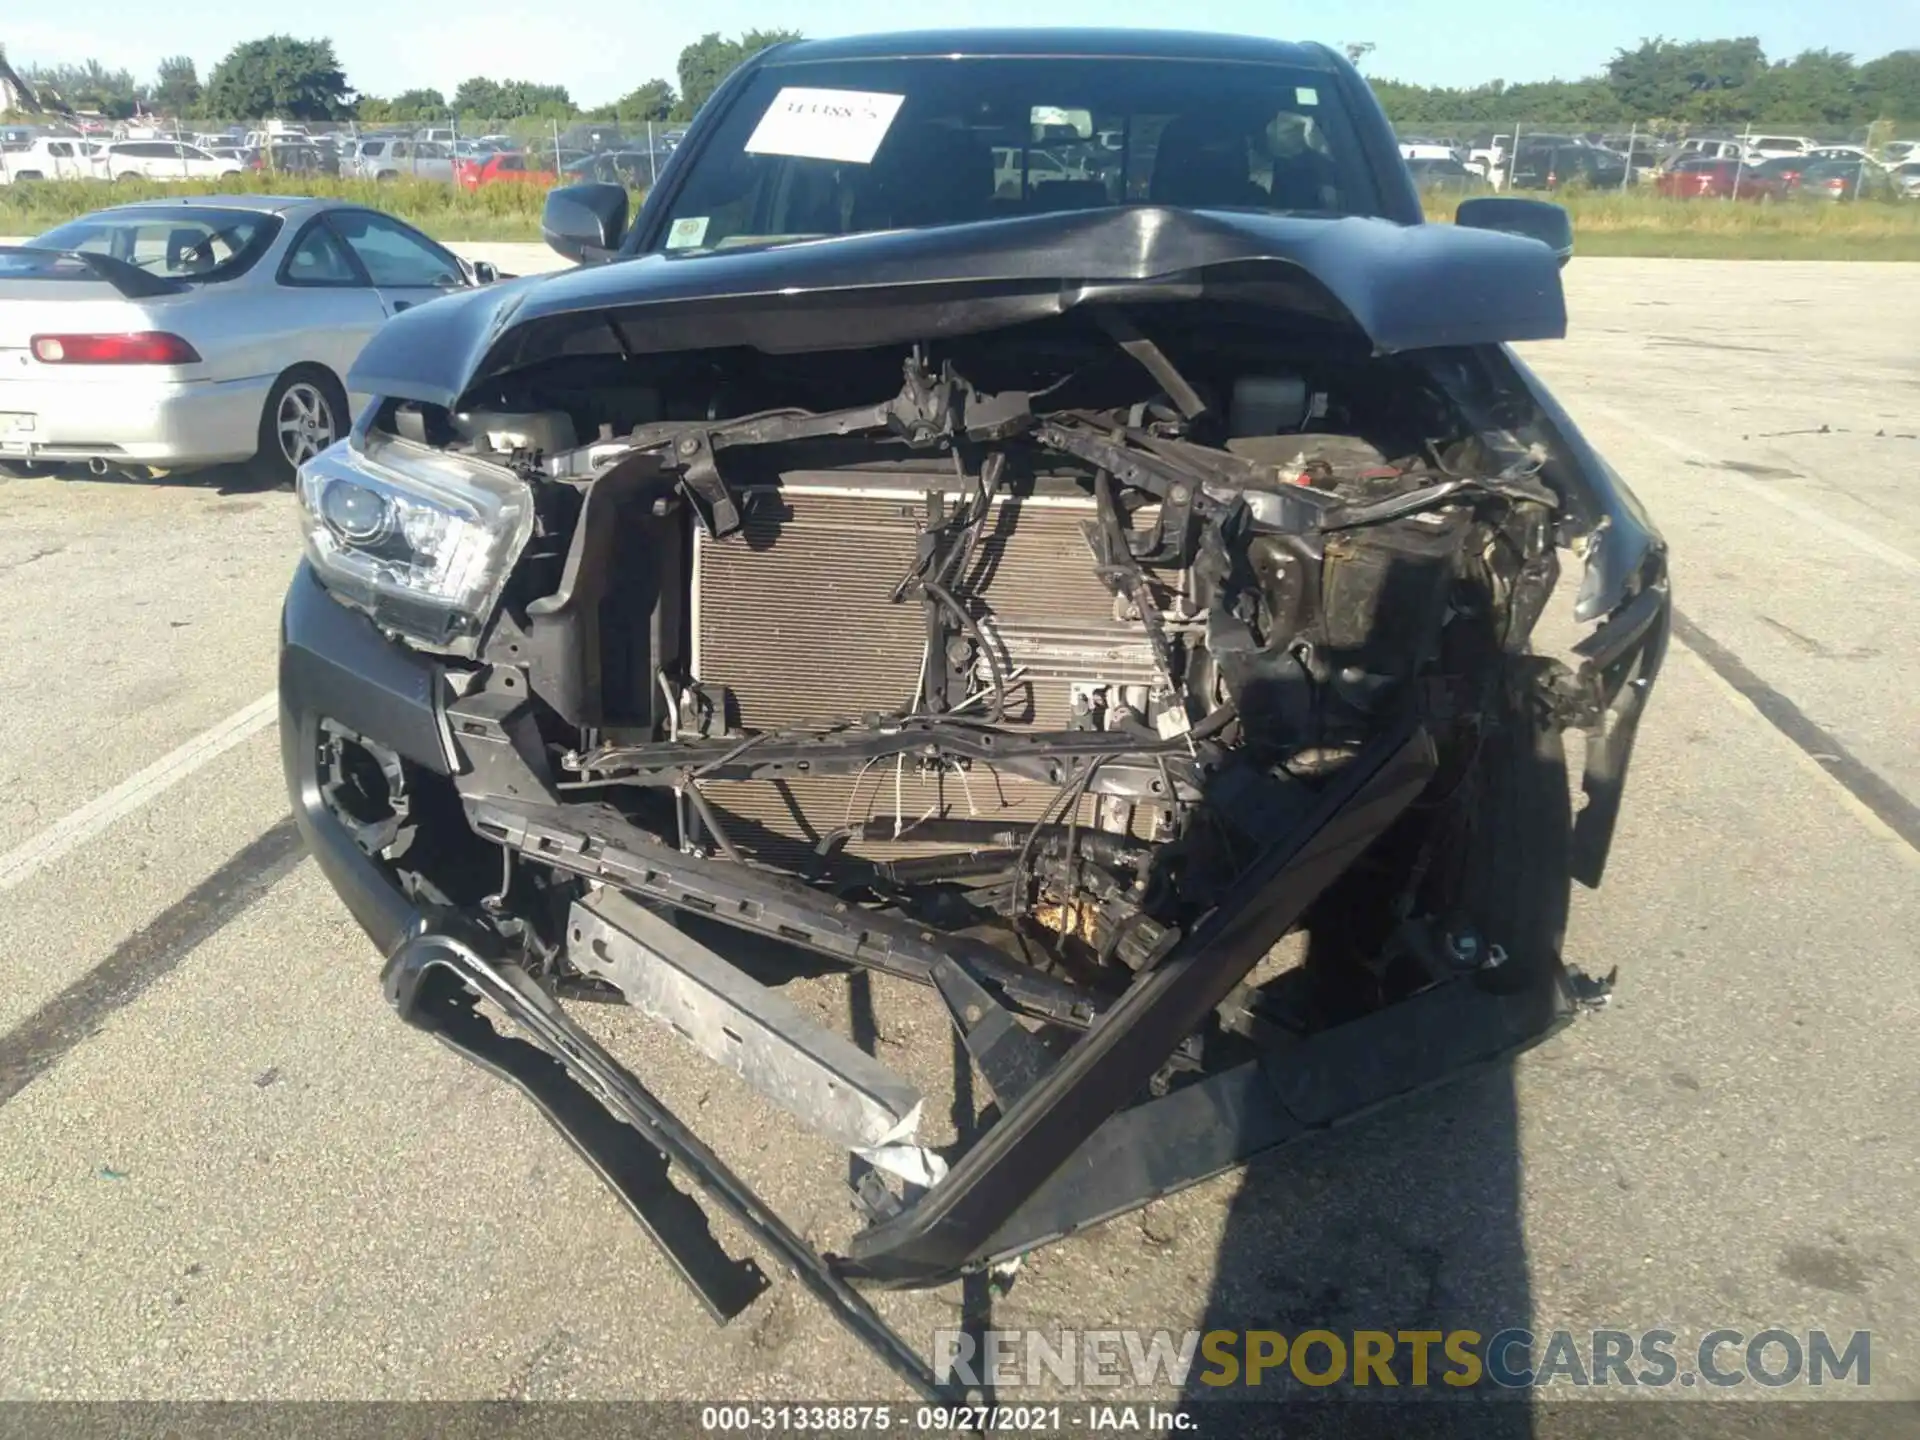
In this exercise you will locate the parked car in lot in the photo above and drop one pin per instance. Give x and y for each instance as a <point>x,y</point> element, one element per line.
<point>275,131</point>
<point>636,169</point>
<point>165,160</point>
<point>402,158</point>
<point>1571,164</point>
<point>1853,153</point>
<point>507,167</point>
<point>1445,177</point>
<point>649,630</point>
<point>53,157</point>
<point>1905,179</point>
<point>295,158</point>
<point>1782,175</point>
<point>1773,147</point>
<point>1844,180</point>
<point>478,147</point>
<point>1703,148</point>
<point>170,334</point>
<point>1642,152</point>
<point>1718,180</point>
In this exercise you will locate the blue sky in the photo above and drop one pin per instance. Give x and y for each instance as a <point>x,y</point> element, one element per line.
<point>599,51</point>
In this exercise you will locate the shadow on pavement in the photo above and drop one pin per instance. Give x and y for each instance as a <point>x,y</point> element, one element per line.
<point>1407,1221</point>
<point>243,478</point>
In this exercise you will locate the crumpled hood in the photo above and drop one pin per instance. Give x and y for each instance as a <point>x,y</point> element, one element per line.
<point>1404,287</point>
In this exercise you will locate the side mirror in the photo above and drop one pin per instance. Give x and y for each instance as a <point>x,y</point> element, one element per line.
<point>1536,219</point>
<point>485,272</point>
<point>585,222</point>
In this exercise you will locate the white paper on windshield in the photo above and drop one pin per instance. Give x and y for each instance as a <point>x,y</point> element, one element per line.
<point>846,125</point>
<point>1306,95</point>
<point>687,231</point>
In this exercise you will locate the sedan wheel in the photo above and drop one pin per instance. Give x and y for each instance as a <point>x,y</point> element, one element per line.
<point>305,422</point>
<point>304,414</point>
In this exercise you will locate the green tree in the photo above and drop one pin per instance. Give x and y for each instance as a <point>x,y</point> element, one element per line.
<point>710,59</point>
<point>1668,79</point>
<point>1890,86</point>
<point>420,105</point>
<point>477,95</point>
<point>651,101</point>
<point>407,105</point>
<point>1816,87</point>
<point>279,77</point>
<point>1577,104</point>
<point>176,88</point>
<point>87,86</point>
<point>482,99</point>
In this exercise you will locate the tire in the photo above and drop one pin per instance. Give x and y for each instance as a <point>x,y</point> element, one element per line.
<point>305,412</point>
<point>25,469</point>
<point>28,175</point>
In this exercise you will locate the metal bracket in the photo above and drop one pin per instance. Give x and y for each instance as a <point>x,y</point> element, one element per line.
<point>1010,1056</point>
<point>818,1076</point>
<point>700,477</point>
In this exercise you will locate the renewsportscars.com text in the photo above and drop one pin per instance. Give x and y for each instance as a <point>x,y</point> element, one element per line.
<point>1512,1358</point>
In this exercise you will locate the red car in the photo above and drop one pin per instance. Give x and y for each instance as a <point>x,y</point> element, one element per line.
<point>1718,180</point>
<point>509,167</point>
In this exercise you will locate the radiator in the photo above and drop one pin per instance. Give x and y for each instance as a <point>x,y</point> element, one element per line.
<point>793,614</point>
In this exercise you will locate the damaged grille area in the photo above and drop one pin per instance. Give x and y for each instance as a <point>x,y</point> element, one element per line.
<point>796,615</point>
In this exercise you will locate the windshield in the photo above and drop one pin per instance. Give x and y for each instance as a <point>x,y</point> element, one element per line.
<point>182,242</point>
<point>846,147</point>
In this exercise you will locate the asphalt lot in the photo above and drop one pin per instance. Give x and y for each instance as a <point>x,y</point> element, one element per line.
<point>225,1171</point>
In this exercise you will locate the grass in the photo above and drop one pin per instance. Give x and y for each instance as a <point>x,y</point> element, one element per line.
<point>1607,224</point>
<point>447,212</point>
<point>1603,224</point>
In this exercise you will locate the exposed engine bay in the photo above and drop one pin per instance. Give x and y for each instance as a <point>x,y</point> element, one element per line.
<point>1036,636</point>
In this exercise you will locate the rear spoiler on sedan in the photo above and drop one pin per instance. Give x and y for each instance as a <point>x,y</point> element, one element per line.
<point>130,280</point>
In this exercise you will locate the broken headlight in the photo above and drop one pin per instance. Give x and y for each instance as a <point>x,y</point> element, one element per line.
<point>420,539</point>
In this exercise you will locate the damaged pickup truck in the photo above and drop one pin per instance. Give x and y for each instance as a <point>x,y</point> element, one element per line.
<point>1035,514</point>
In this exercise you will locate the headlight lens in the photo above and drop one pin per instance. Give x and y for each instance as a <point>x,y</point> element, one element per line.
<point>421,539</point>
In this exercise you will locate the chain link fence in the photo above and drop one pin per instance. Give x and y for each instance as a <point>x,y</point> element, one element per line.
<point>1449,158</point>
<point>1655,156</point>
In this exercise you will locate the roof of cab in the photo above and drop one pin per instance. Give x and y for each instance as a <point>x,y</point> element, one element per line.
<point>266,204</point>
<point>1089,41</point>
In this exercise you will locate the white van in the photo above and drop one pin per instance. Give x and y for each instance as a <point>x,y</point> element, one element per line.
<point>53,157</point>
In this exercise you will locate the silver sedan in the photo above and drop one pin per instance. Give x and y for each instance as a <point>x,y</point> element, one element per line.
<point>179,333</point>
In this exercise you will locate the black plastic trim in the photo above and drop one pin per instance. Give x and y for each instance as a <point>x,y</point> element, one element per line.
<point>335,665</point>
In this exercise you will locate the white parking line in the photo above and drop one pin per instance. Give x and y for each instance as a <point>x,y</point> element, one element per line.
<point>61,837</point>
<point>1799,509</point>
